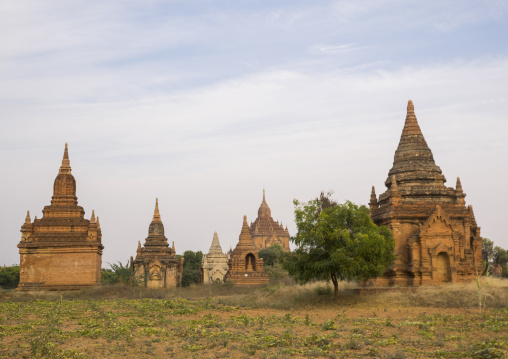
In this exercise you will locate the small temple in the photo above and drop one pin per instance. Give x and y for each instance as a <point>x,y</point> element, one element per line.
<point>214,265</point>
<point>62,250</point>
<point>245,266</point>
<point>265,231</point>
<point>156,265</point>
<point>436,236</point>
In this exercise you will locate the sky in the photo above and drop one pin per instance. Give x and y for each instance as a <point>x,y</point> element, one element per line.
<point>202,104</point>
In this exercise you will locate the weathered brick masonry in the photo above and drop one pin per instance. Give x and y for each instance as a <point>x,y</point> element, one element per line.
<point>62,250</point>
<point>437,238</point>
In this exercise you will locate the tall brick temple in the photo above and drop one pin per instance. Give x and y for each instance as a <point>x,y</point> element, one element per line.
<point>62,250</point>
<point>265,231</point>
<point>245,266</point>
<point>156,265</point>
<point>436,236</point>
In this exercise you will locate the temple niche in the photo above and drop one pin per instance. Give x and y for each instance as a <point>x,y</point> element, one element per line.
<point>245,266</point>
<point>265,231</point>
<point>214,265</point>
<point>156,265</point>
<point>436,236</point>
<point>62,250</point>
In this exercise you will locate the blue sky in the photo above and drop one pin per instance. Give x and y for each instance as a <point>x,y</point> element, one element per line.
<point>204,103</point>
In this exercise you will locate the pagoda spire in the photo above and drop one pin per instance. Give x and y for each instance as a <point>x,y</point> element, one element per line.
<point>66,164</point>
<point>413,158</point>
<point>27,218</point>
<point>215,248</point>
<point>156,214</point>
<point>264,209</point>
<point>458,186</point>
<point>373,199</point>
<point>92,219</point>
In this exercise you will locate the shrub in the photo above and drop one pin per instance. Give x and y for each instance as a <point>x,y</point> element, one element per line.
<point>9,277</point>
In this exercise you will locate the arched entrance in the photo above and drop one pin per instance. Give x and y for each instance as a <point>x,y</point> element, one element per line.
<point>443,272</point>
<point>250,262</point>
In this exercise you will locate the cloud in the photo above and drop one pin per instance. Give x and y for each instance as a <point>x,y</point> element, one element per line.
<point>156,100</point>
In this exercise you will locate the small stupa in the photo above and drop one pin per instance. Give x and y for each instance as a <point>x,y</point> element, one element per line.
<point>245,266</point>
<point>214,265</point>
<point>156,265</point>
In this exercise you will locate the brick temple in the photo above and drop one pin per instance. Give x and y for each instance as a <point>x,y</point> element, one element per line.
<point>156,265</point>
<point>265,231</point>
<point>214,265</point>
<point>245,266</point>
<point>62,250</point>
<point>436,236</point>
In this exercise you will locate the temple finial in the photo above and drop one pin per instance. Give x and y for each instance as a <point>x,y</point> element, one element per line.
<point>139,246</point>
<point>156,214</point>
<point>373,199</point>
<point>92,219</point>
<point>98,223</point>
<point>410,107</point>
<point>263,194</point>
<point>458,186</point>
<point>27,218</point>
<point>173,246</point>
<point>66,164</point>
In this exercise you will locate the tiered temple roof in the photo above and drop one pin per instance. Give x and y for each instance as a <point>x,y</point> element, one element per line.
<point>156,264</point>
<point>265,231</point>
<point>434,231</point>
<point>245,266</point>
<point>62,250</point>
<point>214,265</point>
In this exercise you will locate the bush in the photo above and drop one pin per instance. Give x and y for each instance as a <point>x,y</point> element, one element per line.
<point>117,274</point>
<point>9,277</point>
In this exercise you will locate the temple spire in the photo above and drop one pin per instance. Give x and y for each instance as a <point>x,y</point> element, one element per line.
<point>66,164</point>
<point>373,199</point>
<point>458,186</point>
<point>156,214</point>
<point>215,248</point>
<point>264,210</point>
<point>27,218</point>
<point>413,158</point>
<point>92,219</point>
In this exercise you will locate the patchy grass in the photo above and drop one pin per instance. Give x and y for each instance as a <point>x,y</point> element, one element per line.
<point>220,321</point>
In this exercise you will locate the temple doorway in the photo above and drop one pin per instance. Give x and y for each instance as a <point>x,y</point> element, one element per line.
<point>250,262</point>
<point>443,272</point>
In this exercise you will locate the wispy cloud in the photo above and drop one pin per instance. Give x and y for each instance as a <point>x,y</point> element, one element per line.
<point>204,106</point>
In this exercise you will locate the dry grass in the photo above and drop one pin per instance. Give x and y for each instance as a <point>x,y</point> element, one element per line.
<point>284,297</point>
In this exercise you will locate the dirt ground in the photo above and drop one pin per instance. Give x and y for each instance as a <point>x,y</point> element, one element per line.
<point>181,328</point>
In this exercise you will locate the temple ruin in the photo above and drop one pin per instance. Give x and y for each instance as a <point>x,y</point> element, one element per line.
<point>62,250</point>
<point>436,236</point>
<point>156,265</point>
<point>245,266</point>
<point>214,265</point>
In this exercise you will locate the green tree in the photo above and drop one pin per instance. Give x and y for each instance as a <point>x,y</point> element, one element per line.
<point>272,255</point>
<point>117,274</point>
<point>487,252</point>
<point>191,263</point>
<point>9,277</point>
<point>338,242</point>
<point>501,257</point>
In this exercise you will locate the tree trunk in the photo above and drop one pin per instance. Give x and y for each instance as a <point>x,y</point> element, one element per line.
<point>335,287</point>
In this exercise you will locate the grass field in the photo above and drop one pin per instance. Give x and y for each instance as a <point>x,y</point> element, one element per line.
<point>220,321</point>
